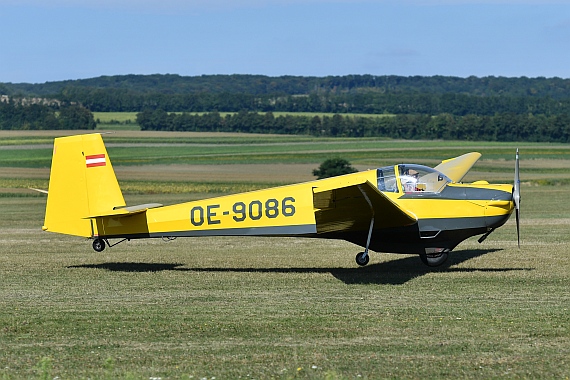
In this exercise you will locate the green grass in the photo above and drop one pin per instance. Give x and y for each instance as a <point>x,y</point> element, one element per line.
<point>119,117</point>
<point>284,308</point>
<point>233,148</point>
<point>231,307</point>
<point>117,127</point>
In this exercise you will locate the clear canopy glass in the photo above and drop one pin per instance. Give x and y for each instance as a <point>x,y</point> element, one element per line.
<point>410,178</point>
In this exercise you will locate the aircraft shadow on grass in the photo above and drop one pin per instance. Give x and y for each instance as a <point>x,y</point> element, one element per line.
<point>394,272</point>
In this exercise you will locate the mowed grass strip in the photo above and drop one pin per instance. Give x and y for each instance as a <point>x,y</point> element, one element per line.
<point>283,308</point>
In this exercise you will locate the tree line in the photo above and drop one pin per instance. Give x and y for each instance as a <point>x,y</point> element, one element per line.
<point>437,107</point>
<point>499,127</point>
<point>369,102</point>
<point>38,116</point>
<point>332,94</point>
<point>556,88</point>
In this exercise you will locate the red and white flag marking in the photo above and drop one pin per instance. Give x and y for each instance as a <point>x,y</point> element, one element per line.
<point>95,160</point>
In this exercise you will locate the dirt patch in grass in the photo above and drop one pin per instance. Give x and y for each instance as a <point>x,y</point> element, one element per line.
<point>8,172</point>
<point>532,164</point>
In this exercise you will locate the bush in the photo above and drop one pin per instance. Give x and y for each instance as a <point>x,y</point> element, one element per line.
<point>333,167</point>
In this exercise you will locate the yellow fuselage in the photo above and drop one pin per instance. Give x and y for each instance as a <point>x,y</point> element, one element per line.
<point>462,209</point>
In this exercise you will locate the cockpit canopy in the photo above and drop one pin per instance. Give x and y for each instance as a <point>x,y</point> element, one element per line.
<point>411,178</point>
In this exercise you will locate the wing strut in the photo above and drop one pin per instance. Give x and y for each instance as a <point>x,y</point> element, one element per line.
<point>362,258</point>
<point>369,235</point>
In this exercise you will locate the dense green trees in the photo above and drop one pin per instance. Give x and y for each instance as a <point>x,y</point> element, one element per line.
<point>339,94</point>
<point>76,117</point>
<point>438,107</point>
<point>555,88</point>
<point>499,127</point>
<point>367,101</point>
<point>38,116</point>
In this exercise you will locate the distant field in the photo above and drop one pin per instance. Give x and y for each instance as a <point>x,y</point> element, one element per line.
<point>134,148</point>
<point>281,308</point>
<point>116,121</point>
<point>125,121</point>
<point>109,117</point>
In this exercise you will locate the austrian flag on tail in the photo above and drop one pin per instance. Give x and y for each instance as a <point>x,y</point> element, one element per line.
<point>95,160</point>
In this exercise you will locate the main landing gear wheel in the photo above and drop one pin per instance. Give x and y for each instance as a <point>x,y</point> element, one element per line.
<point>362,258</point>
<point>434,259</point>
<point>99,245</point>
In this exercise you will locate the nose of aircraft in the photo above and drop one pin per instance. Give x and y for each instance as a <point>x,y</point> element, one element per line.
<point>497,212</point>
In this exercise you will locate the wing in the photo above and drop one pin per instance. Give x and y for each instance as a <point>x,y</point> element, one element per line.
<point>350,208</point>
<point>456,168</point>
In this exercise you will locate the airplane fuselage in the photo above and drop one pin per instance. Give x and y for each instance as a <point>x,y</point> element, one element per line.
<point>444,219</point>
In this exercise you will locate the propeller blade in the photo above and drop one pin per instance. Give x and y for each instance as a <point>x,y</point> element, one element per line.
<point>517,196</point>
<point>517,214</point>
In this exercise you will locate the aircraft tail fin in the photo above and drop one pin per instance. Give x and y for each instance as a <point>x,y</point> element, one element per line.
<point>82,184</point>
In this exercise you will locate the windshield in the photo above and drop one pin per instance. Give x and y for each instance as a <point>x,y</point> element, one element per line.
<point>387,179</point>
<point>418,178</point>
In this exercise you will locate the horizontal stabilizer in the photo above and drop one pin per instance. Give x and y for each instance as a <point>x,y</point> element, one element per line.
<point>126,211</point>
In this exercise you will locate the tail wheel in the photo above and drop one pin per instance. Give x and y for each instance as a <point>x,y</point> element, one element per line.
<point>434,259</point>
<point>98,245</point>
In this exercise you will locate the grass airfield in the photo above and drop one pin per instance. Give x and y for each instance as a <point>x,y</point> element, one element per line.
<point>283,308</point>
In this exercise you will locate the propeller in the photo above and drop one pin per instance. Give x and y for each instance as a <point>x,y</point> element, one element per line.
<point>517,196</point>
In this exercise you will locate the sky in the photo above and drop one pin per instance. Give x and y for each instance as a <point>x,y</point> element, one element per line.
<point>52,40</point>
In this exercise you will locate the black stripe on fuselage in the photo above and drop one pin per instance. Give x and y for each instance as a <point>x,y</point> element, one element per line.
<point>303,229</point>
<point>462,193</point>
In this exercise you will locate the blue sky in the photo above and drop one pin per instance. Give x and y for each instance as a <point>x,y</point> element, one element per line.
<point>73,39</point>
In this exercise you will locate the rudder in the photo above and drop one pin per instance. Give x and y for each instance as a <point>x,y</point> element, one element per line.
<point>82,184</point>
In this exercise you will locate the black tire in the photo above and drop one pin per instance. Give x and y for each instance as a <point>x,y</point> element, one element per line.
<point>434,259</point>
<point>98,245</point>
<point>362,258</point>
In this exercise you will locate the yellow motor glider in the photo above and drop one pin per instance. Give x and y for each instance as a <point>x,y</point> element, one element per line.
<point>402,208</point>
